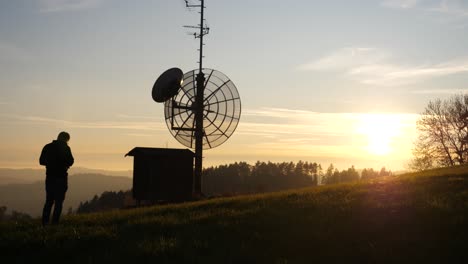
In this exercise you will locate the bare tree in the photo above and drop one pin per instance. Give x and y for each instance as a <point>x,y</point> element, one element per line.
<point>443,134</point>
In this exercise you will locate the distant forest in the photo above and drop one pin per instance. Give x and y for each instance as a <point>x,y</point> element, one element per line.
<point>243,178</point>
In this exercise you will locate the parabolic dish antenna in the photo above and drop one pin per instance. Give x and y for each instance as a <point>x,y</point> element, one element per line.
<point>221,109</point>
<point>167,85</point>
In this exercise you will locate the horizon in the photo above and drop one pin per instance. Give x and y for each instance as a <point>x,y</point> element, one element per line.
<point>328,82</point>
<point>324,167</point>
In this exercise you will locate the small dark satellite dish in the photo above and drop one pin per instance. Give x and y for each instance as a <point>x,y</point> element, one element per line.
<point>167,85</point>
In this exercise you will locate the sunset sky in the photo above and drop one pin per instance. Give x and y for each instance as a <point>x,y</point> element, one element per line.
<point>331,81</point>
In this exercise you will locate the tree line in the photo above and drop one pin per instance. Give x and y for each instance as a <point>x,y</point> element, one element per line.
<point>106,201</point>
<point>243,178</point>
<point>333,175</point>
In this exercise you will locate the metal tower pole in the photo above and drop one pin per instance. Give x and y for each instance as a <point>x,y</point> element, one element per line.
<point>199,112</point>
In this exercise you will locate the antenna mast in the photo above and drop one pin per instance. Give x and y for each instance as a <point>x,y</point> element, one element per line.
<point>202,28</point>
<point>199,99</point>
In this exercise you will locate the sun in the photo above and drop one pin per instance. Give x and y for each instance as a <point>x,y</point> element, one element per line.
<point>380,129</point>
<point>378,145</point>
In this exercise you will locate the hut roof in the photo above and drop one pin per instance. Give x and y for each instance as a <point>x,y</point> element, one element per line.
<point>138,151</point>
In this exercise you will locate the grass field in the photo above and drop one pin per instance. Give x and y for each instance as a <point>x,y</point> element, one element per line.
<point>411,218</point>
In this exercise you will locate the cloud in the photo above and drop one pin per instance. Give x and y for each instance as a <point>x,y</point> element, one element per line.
<point>298,132</point>
<point>294,122</point>
<point>125,116</point>
<point>392,74</point>
<point>449,8</point>
<point>373,66</point>
<point>346,58</point>
<point>307,123</point>
<point>400,3</point>
<point>119,125</point>
<point>276,112</point>
<point>138,135</point>
<point>49,6</point>
<point>441,91</point>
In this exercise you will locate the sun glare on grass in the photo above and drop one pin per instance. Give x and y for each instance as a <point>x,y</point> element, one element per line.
<point>380,129</point>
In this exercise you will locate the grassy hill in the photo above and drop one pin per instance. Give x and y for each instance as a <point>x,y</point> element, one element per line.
<point>411,218</point>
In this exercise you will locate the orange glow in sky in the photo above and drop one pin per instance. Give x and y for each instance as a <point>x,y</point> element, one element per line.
<point>320,84</point>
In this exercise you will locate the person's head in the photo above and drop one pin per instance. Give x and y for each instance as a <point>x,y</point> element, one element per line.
<point>63,136</point>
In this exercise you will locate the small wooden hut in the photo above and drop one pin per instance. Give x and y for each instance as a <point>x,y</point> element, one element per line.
<point>161,174</point>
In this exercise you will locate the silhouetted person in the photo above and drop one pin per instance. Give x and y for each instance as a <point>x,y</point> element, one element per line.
<point>57,158</point>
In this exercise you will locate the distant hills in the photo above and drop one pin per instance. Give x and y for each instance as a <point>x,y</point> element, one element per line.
<point>24,190</point>
<point>21,176</point>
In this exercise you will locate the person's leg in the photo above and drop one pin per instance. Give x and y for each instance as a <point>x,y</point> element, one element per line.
<point>48,205</point>
<point>57,211</point>
<point>61,189</point>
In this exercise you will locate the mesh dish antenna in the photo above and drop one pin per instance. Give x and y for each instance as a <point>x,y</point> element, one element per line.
<point>202,107</point>
<point>221,110</point>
